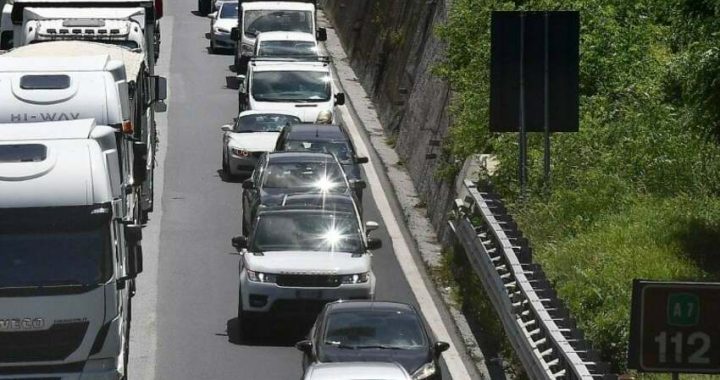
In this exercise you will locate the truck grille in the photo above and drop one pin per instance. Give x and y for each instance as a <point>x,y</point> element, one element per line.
<point>308,281</point>
<point>56,343</point>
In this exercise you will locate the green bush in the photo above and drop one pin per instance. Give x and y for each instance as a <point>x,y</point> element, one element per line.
<point>633,193</point>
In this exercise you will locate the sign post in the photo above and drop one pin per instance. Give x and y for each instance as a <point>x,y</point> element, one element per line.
<point>534,78</point>
<point>674,327</point>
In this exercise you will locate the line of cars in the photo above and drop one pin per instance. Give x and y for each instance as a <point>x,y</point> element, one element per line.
<point>305,248</point>
<point>78,97</point>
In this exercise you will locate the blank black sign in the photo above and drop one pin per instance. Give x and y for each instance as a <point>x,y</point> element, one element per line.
<point>507,38</point>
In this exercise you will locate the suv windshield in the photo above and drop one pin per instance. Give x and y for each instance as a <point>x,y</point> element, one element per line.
<point>324,176</point>
<point>374,329</point>
<point>340,149</point>
<point>50,258</point>
<point>264,123</point>
<point>229,10</point>
<point>259,21</point>
<point>287,49</point>
<point>307,231</point>
<point>291,86</point>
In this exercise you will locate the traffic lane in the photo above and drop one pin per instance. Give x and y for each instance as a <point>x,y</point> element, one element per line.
<point>197,275</point>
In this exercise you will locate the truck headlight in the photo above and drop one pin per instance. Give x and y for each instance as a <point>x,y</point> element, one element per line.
<point>359,278</point>
<point>261,277</point>
<point>427,370</point>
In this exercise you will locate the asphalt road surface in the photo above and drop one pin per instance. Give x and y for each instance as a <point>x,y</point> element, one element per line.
<point>185,311</point>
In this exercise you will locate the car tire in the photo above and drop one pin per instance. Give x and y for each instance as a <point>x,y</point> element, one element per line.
<point>225,167</point>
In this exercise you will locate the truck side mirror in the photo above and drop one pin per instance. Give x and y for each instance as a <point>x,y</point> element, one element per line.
<point>321,34</point>
<point>371,226</point>
<point>133,234</point>
<point>304,346</point>
<point>357,184</point>
<point>361,160</point>
<point>159,88</point>
<point>135,261</point>
<point>248,184</point>
<point>235,34</point>
<point>339,99</point>
<point>241,82</point>
<point>140,159</point>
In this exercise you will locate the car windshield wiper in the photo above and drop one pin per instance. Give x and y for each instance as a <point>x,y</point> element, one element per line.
<point>378,346</point>
<point>340,345</point>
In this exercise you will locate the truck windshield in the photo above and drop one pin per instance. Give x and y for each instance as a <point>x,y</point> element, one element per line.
<point>287,49</point>
<point>55,259</point>
<point>307,231</point>
<point>259,21</point>
<point>291,86</point>
<point>55,246</point>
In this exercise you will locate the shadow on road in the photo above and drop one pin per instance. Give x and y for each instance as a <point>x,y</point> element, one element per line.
<point>230,179</point>
<point>232,82</point>
<point>274,334</point>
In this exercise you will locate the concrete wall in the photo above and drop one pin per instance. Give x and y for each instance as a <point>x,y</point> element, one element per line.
<point>393,48</point>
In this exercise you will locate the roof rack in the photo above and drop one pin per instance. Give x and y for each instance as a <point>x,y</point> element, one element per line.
<point>298,58</point>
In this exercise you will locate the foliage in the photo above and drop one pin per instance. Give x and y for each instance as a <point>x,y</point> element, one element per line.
<point>633,193</point>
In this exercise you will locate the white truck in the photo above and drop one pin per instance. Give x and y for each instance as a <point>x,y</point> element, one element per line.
<point>256,17</point>
<point>67,259</point>
<point>89,80</point>
<point>133,24</point>
<point>302,86</point>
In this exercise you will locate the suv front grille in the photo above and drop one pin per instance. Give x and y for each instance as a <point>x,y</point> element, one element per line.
<point>56,343</point>
<point>308,281</point>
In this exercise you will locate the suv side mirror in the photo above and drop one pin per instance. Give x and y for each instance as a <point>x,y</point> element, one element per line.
<point>226,128</point>
<point>133,234</point>
<point>235,34</point>
<point>321,34</point>
<point>304,346</point>
<point>361,160</point>
<point>373,244</point>
<point>371,226</point>
<point>135,261</point>
<point>248,184</point>
<point>239,242</point>
<point>212,15</point>
<point>140,153</point>
<point>440,347</point>
<point>339,99</point>
<point>241,83</point>
<point>357,184</point>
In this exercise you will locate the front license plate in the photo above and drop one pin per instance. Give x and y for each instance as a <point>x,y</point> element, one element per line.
<point>309,294</point>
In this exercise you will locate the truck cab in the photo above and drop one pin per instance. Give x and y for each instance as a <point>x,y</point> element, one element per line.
<point>303,85</point>
<point>67,256</point>
<point>129,23</point>
<point>84,80</point>
<point>257,17</point>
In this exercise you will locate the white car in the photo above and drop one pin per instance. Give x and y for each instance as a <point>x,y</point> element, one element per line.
<point>252,134</point>
<point>222,22</point>
<point>356,371</point>
<point>286,44</point>
<point>296,260</point>
<point>303,85</point>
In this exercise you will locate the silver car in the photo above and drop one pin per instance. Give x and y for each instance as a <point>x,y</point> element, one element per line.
<point>356,371</point>
<point>222,21</point>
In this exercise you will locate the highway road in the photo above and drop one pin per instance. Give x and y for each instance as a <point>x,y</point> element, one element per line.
<point>187,297</point>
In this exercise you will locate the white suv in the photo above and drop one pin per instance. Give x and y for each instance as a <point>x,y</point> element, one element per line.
<point>303,86</point>
<point>300,258</point>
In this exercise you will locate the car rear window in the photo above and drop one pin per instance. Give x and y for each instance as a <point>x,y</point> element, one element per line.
<point>44,82</point>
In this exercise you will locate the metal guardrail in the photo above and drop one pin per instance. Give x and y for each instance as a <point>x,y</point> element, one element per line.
<point>539,327</point>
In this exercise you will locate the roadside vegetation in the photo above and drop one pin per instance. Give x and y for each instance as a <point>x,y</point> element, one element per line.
<point>635,192</point>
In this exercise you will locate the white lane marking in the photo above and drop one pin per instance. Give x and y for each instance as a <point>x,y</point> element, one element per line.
<point>452,358</point>
<point>143,331</point>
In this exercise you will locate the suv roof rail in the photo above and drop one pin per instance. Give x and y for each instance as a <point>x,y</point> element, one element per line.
<point>296,58</point>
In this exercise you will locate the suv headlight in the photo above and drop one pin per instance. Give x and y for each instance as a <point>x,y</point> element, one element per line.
<point>359,278</point>
<point>261,277</point>
<point>427,370</point>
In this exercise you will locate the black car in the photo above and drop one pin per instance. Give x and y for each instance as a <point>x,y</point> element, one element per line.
<point>323,138</point>
<point>352,331</point>
<point>280,174</point>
